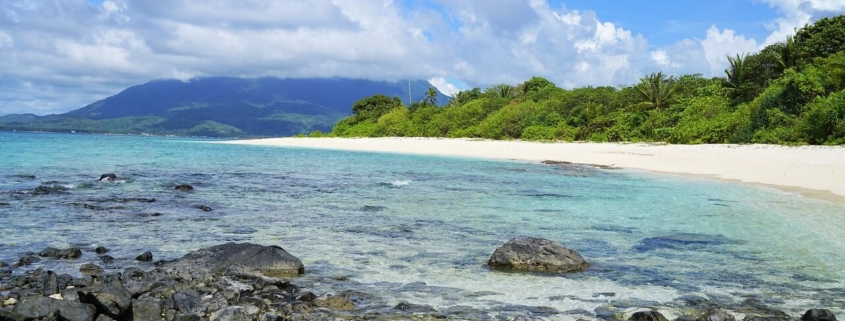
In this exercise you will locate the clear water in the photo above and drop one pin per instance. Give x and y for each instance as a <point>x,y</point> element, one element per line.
<point>378,223</point>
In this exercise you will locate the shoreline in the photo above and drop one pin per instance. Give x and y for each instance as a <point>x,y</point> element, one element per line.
<point>814,172</point>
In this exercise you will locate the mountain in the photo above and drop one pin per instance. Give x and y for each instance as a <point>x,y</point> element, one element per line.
<point>222,107</point>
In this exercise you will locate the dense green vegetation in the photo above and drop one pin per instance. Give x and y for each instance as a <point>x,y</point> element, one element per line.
<point>221,107</point>
<point>792,92</point>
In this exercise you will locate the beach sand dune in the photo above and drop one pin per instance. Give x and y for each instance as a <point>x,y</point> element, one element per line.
<point>812,171</point>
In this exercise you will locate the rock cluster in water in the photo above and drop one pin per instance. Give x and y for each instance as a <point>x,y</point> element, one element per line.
<point>246,282</point>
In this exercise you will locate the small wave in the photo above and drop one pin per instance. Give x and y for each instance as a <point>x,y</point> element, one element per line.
<point>395,183</point>
<point>400,183</point>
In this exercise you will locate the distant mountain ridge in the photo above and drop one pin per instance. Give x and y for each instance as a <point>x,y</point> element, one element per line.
<point>222,107</point>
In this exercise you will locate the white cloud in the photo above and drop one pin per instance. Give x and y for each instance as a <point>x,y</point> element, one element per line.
<point>73,53</point>
<point>720,44</point>
<point>797,13</point>
<point>444,86</point>
<point>661,58</point>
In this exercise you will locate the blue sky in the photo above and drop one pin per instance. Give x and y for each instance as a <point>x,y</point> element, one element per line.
<point>56,56</point>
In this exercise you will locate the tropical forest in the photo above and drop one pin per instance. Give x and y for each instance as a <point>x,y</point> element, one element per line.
<point>791,92</point>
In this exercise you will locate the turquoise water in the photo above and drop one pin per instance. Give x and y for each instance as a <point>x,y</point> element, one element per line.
<point>380,223</point>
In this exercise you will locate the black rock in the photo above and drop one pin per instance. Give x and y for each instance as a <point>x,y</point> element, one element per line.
<point>147,309</point>
<point>184,188</point>
<point>49,283</point>
<point>101,250</point>
<point>647,316</point>
<point>203,207</point>
<point>69,253</point>
<point>536,254</point>
<point>305,297</point>
<point>42,307</point>
<point>185,302</point>
<point>4,204</point>
<point>106,259</point>
<point>110,298</point>
<point>90,268</point>
<point>270,261</point>
<point>11,316</point>
<point>145,257</point>
<point>108,177</point>
<point>818,315</point>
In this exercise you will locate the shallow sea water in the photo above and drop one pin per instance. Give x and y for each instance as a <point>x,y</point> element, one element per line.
<point>420,229</point>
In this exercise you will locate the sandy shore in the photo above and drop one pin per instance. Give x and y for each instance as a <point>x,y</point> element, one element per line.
<point>812,171</point>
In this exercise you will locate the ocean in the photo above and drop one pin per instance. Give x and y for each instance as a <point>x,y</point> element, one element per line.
<point>420,229</point>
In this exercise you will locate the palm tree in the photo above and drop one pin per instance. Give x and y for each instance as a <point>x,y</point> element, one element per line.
<point>657,90</point>
<point>735,75</point>
<point>787,58</point>
<point>431,96</point>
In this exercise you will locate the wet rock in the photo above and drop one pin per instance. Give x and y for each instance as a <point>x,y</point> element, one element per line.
<point>818,315</point>
<point>269,261</point>
<point>44,307</point>
<point>110,298</point>
<point>526,318</point>
<point>106,259</point>
<point>27,260</point>
<point>334,302</point>
<point>108,177</point>
<point>4,204</point>
<point>11,316</point>
<point>90,268</point>
<point>413,308</point>
<point>147,309</point>
<point>536,254</point>
<point>184,188</point>
<point>145,257</point>
<point>203,208</point>
<point>186,317</point>
<point>716,314</point>
<point>3,264</point>
<point>647,316</point>
<point>101,250</point>
<point>69,253</point>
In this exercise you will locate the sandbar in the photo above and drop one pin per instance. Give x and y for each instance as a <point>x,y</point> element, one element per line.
<point>816,172</point>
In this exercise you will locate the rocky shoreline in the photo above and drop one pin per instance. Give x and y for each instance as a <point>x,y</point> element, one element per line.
<point>249,282</point>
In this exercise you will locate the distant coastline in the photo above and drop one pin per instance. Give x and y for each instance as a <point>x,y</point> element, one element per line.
<point>811,171</point>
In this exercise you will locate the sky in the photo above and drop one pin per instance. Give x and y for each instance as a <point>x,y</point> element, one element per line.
<point>60,55</point>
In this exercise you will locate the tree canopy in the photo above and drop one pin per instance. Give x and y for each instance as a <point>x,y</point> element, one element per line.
<point>791,92</point>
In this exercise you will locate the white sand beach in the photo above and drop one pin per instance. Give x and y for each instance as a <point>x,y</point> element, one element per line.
<point>812,171</point>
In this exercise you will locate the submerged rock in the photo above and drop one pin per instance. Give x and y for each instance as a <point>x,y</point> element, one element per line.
<point>108,177</point>
<point>536,254</point>
<point>716,314</point>
<point>243,258</point>
<point>184,188</point>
